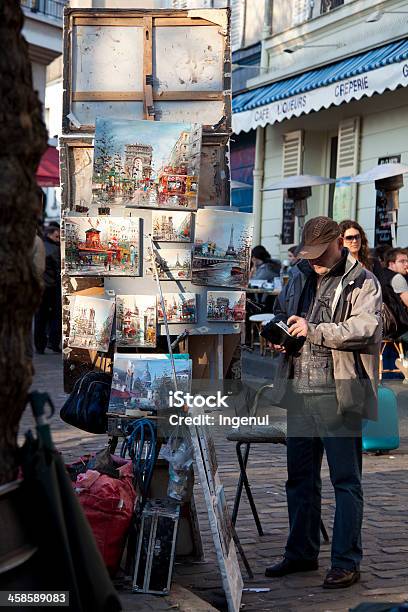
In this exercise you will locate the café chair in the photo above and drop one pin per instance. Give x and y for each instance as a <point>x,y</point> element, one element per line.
<point>399,350</point>
<point>257,321</point>
<point>247,436</point>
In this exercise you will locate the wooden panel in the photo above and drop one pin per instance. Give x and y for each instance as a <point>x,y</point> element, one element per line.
<point>148,69</point>
<point>188,59</point>
<point>108,96</point>
<point>104,72</point>
<point>86,111</point>
<point>105,58</point>
<point>123,22</point>
<point>180,22</point>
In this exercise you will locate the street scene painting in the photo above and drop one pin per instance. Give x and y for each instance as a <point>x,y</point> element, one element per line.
<point>143,382</point>
<point>222,247</point>
<point>173,264</point>
<point>172,226</point>
<point>155,164</point>
<point>136,321</point>
<point>180,308</point>
<point>91,321</point>
<point>226,306</point>
<point>102,246</point>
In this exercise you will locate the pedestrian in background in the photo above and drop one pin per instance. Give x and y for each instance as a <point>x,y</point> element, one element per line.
<point>263,267</point>
<point>396,267</point>
<point>47,322</point>
<point>355,240</point>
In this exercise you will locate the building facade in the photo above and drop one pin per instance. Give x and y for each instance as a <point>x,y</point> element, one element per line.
<point>331,101</point>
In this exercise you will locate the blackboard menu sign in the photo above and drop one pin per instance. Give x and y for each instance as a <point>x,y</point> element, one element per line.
<point>384,219</point>
<point>288,220</point>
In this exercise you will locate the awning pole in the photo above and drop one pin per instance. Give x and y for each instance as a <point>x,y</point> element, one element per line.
<point>258,183</point>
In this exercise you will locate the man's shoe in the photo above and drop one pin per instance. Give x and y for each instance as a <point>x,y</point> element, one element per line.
<point>339,578</point>
<point>287,566</point>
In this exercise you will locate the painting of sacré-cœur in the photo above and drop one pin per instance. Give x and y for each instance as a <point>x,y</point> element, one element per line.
<point>153,164</point>
<point>91,320</point>
<point>136,320</point>
<point>173,226</point>
<point>143,382</point>
<point>102,246</point>
<point>222,247</point>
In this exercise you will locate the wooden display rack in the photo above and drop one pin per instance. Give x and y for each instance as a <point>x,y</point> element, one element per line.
<point>184,77</point>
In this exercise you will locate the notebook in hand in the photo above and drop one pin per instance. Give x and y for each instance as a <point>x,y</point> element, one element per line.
<point>278,333</point>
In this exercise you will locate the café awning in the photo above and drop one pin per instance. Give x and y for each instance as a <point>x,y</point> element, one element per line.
<point>48,171</point>
<point>375,71</point>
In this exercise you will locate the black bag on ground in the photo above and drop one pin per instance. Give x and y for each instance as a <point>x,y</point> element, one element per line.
<point>87,404</point>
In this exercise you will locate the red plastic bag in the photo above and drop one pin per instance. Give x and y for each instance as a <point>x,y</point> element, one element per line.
<point>108,504</point>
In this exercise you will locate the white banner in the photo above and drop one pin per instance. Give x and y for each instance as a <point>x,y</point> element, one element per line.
<point>366,84</point>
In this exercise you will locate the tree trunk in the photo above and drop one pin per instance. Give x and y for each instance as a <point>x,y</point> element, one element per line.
<point>23,139</point>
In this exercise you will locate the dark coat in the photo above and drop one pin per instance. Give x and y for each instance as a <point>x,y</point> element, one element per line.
<point>52,274</point>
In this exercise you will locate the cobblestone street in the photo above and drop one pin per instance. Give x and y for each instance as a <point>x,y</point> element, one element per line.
<point>385,533</point>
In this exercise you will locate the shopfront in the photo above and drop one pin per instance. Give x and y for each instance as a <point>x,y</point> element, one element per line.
<point>340,120</point>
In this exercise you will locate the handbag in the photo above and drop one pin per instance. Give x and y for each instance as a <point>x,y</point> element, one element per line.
<point>87,405</point>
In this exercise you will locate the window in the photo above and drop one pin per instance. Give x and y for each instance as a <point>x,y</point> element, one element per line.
<point>328,5</point>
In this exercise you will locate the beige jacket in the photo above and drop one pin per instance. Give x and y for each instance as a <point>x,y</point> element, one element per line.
<point>354,335</point>
<point>355,339</point>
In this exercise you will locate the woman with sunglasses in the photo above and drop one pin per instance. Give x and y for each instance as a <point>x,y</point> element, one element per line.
<point>356,242</point>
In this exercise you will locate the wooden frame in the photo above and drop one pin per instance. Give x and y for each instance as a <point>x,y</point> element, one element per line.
<point>149,92</point>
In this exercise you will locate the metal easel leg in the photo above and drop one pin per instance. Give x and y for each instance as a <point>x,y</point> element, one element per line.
<point>238,493</point>
<point>248,491</point>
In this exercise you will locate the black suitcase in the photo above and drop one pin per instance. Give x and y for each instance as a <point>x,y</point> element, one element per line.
<point>156,547</point>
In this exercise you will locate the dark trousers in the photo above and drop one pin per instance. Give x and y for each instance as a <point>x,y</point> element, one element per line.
<point>323,430</point>
<point>47,321</point>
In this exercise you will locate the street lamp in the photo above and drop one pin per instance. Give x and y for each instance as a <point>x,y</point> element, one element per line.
<point>374,17</point>
<point>298,47</point>
<point>387,178</point>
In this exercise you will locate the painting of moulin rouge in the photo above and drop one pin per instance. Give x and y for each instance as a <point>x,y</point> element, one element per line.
<point>180,308</point>
<point>155,164</point>
<point>171,227</point>
<point>222,248</point>
<point>91,322</point>
<point>102,246</point>
<point>173,264</point>
<point>136,320</point>
<point>226,306</point>
<point>143,382</point>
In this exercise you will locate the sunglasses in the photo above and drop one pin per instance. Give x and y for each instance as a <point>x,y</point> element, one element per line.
<point>353,237</point>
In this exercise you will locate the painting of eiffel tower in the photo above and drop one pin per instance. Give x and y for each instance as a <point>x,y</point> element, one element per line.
<point>222,248</point>
<point>174,264</point>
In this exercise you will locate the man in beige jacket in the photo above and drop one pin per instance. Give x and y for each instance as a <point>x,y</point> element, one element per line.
<point>335,305</point>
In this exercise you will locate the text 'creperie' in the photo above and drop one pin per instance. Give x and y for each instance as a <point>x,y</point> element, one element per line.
<point>352,86</point>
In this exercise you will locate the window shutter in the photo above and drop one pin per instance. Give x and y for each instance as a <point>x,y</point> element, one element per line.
<point>292,153</point>
<point>348,150</point>
<point>292,163</point>
<point>237,23</point>
<point>348,147</point>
